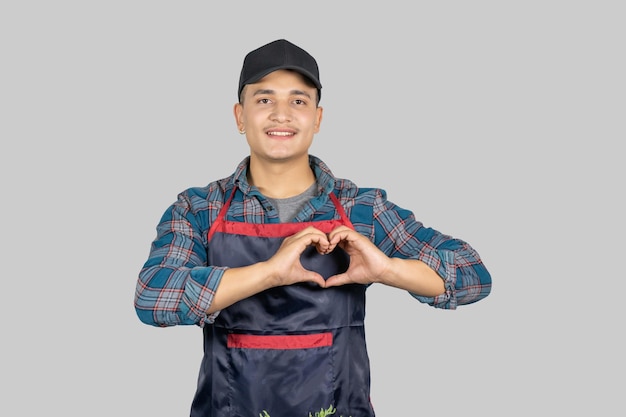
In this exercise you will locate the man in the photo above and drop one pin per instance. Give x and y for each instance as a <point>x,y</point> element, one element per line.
<point>273,262</point>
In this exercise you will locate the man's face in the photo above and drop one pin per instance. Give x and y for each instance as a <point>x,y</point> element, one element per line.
<point>280,116</point>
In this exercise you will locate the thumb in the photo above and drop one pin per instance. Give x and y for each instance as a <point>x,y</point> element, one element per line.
<point>314,277</point>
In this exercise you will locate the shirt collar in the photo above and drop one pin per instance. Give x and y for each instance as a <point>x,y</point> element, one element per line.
<point>324,176</point>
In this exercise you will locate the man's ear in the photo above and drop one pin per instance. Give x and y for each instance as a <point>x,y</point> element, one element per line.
<point>318,119</point>
<point>237,112</point>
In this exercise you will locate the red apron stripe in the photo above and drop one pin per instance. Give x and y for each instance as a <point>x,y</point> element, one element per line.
<point>277,230</point>
<point>302,341</point>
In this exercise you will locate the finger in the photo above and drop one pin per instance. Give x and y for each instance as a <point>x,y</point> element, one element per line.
<point>314,277</point>
<point>320,242</point>
<point>338,230</point>
<point>331,247</point>
<point>336,236</point>
<point>323,249</point>
<point>315,235</point>
<point>337,280</point>
<point>310,230</point>
<point>303,239</point>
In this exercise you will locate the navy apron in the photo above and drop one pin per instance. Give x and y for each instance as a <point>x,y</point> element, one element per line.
<point>290,350</point>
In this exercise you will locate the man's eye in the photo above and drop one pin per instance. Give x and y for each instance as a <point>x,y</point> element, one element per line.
<point>299,101</point>
<point>264,100</point>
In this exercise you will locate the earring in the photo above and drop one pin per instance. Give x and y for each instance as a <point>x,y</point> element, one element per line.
<point>242,131</point>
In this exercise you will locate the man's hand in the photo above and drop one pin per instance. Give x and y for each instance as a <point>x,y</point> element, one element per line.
<point>367,263</point>
<point>285,265</point>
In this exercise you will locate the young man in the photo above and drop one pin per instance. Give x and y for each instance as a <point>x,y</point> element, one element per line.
<point>273,262</point>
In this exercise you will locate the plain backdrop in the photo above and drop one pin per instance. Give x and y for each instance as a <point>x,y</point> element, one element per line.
<point>498,122</point>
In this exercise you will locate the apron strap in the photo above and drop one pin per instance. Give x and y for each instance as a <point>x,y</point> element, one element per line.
<point>221,217</point>
<point>222,214</point>
<point>341,211</point>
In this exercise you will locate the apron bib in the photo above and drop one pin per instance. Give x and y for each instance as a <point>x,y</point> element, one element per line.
<point>287,351</point>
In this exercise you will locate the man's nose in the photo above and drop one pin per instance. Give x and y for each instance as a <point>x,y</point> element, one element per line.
<point>281,113</point>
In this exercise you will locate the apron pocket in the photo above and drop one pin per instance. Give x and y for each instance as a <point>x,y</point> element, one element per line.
<point>281,375</point>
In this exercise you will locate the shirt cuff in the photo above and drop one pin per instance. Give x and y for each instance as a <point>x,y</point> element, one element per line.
<point>199,292</point>
<point>442,262</point>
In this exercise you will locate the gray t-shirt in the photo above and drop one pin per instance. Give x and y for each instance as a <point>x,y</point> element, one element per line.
<point>289,207</point>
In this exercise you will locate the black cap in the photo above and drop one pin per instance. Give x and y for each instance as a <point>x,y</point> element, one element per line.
<point>280,54</point>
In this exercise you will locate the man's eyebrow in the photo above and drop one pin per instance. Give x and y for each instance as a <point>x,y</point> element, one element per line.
<point>292,92</point>
<point>261,92</point>
<point>300,93</point>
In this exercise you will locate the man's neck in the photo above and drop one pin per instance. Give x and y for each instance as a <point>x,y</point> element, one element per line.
<point>281,180</point>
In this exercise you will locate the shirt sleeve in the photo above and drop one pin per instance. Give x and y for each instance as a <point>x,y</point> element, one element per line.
<point>175,285</point>
<point>399,234</point>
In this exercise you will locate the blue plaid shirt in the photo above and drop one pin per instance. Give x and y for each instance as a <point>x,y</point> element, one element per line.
<point>176,285</point>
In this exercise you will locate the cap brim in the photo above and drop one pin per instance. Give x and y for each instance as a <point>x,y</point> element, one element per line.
<point>260,75</point>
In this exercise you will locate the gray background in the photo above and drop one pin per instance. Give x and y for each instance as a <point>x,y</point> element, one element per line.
<point>497,122</point>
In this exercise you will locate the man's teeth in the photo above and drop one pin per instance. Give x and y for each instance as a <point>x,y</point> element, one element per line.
<point>280,133</point>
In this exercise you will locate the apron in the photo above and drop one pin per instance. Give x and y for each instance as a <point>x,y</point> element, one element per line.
<point>289,351</point>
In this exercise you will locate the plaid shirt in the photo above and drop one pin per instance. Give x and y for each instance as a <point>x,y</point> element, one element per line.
<point>176,286</point>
